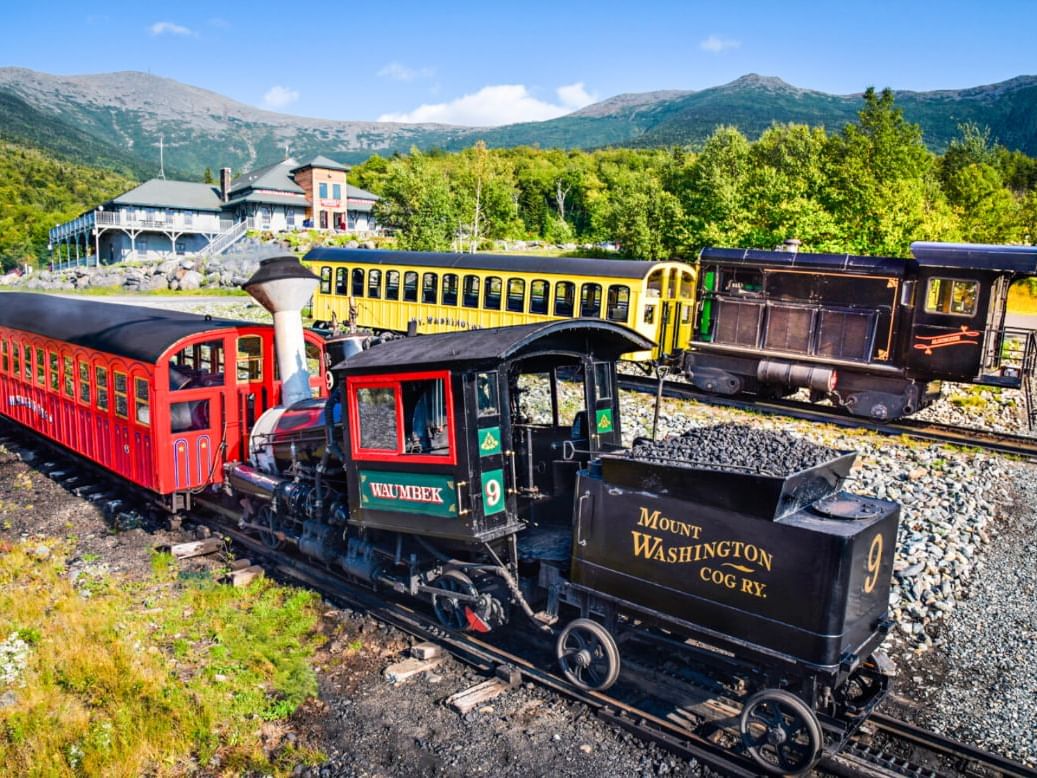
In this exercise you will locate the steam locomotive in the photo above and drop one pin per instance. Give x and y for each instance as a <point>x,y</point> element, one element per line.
<point>484,473</point>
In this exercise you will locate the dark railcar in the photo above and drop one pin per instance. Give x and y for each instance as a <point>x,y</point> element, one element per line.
<point>875,335</point>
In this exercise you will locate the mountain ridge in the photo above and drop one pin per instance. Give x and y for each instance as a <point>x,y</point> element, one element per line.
<point>118,118</point>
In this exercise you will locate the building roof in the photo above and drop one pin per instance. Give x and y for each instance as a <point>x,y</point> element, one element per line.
<point>601,339</point>
<point>282,198</point>
<point>130,331</point>
<point>275,176</point>
<point>568,266</point>
<point>361,194</point>
<point>322,162</point>
<point>160,193</point>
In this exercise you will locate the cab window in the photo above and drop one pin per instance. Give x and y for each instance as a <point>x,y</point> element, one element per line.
<point>374,283</point>
<point>392,285</point>
<point>565,298</point>
<point>618,303</point>
<point>538,291</point>
<point>325,280</point>
<point>486,393</point>
<point>429,282</point>
<point>450,289</point>
<point>358,282</point>
<point>602,381</point>
<point>143,404</point>
<point>101,380</point>
<point>951,296</point>
<point>340,281</point>
<point>493,293</point>
<point>84,382</point>
<point>402,418</point>
<point>250,358</point>
<point>516,295</point>
<point>200,364</point>
<point>590,301</point>
<point>410,287</point>
<point>471,292</point>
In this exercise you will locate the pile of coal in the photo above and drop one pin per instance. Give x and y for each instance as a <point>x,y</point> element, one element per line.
<point>735,447</point>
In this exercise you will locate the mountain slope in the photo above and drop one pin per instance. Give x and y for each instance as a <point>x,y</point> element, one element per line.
<point>116,117</point>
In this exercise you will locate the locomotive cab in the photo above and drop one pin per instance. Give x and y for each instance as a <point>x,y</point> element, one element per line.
<point>467,437</point>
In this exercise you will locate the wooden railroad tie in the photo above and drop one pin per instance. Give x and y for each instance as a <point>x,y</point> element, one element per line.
<point>507,677</point>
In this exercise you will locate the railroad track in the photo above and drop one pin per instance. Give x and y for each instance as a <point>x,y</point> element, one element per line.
<point>701,731</point>
<point>1001,443</point>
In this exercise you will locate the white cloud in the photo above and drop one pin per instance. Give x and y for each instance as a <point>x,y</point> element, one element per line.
<point>169,28</point>
<point>718,43</point>
<point>494,105</point>
<point>397,71</point>
<point>279,97</point>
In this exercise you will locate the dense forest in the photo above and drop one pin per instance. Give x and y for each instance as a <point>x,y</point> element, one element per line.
<point>38,192</point>
<point>871,188</point>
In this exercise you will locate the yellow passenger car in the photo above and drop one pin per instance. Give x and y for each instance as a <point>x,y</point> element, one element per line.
<point>388,290</point>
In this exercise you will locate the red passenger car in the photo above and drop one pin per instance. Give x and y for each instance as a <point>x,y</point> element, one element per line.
<point>161,398</point>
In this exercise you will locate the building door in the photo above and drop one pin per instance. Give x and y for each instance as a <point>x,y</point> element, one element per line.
<point>323,220</point>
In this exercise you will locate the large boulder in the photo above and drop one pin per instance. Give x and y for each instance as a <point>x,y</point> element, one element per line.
<point>190,280</point>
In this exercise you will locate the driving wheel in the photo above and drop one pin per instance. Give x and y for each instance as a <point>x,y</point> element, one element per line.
<point>588,655</point>
<point>780,732</point>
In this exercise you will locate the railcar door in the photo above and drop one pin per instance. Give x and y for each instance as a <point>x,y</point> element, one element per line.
<point>253,391</point>
<point>197,414</point>
<point>948,327</point>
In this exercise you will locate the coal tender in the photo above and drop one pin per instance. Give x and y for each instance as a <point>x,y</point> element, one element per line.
<point>744,540</point>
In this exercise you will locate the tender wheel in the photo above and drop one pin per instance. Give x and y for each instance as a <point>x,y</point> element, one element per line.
<point>588,655</point>
<point>267,519</point>
<point>780,732</point>
<point>449,610</point>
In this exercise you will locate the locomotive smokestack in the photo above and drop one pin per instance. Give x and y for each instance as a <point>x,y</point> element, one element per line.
<point>282,286</point>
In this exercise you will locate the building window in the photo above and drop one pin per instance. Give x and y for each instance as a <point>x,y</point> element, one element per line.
<point>181,247</point>
<point>470,299</point>
<point>392,285</point>
<point>590,301</point>
<point>289,217</point>
<point>450,289</point>
<point>493,293</point>
<point>323,189</point>
<point>946,295</point>
<point>122,403</point>
<point>336,191</point>
<point>325,280</point>
<point>410,287</point>
<point>84,382</point>
<point>618,303</point>
<point>358,282</point>
<point>142,244</point>
<point>516,295</point>
<point>538,293</point>
<point>429,282</point>
<point>340,280</point>
<point>374,283</point>
<point>250,358</point>
<point>101,380</point>
<point>565,298</point>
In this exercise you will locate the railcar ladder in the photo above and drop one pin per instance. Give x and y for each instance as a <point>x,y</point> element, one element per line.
<point>1029,361</point>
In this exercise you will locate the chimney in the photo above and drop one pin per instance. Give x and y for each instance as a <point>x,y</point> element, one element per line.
<point>225,183</point>
<point>282,286</point>
<point>790,245</point>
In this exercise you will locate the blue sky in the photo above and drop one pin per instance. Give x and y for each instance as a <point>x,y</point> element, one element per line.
<point>492,63</point>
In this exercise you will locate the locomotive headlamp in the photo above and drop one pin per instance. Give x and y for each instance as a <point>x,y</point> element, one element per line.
<point>283,286</point>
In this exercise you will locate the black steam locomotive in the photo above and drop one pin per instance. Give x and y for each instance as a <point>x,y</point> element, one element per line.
<point>873,334</point>
<point>484,472</point>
